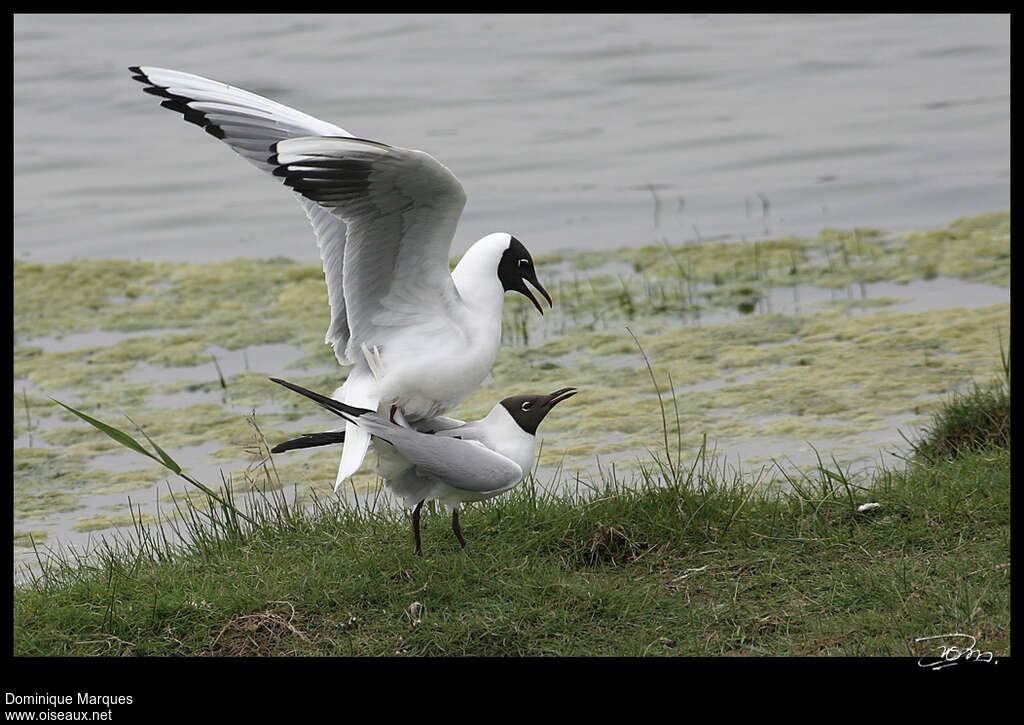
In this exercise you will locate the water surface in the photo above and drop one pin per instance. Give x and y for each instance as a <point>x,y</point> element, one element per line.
<point>575,132</point>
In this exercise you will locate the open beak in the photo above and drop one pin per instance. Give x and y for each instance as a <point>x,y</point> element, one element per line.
<point>531,277</point>
<point>559,395</point>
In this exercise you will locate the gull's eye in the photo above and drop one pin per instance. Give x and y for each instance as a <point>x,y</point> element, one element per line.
<point>526,406</point>
<point>523,262</point>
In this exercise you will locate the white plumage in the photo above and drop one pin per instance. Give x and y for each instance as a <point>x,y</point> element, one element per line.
<point>420,339</point>
<point>441,458</point>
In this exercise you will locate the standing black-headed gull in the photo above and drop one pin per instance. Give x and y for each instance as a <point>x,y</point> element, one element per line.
<point>420,339</point>
<point>444,458</point>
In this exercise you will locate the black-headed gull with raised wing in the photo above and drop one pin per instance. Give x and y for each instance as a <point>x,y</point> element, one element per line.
<point>420,339</point>
<point>444,458</point>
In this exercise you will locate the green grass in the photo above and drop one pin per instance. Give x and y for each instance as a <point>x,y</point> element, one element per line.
<point>976,420</point>
<point>693,558</point>
<point>969,421</point>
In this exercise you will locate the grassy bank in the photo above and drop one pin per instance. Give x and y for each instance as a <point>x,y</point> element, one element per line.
<point>697,560</point>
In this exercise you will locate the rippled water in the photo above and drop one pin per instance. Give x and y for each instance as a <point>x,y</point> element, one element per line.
<point>570,132</point>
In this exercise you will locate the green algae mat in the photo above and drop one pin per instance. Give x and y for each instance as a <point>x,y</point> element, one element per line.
<point>775,351</point>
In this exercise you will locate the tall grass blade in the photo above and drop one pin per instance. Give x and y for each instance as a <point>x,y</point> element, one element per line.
<point>664,419</point>
<point>166,459</point>
<point>118,435</point>
<point>163,459</point>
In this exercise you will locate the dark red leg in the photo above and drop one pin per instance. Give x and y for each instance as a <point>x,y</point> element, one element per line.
<point>416,527</point>
<point>457,529</point>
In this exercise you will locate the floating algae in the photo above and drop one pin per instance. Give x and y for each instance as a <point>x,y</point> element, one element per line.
<point>768,347</point>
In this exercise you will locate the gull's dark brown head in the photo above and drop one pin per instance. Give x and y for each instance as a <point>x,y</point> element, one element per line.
<point>529,410</point>
<point>516,269</point>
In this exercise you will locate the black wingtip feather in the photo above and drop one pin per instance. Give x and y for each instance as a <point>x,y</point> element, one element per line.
<point>335,406</point>
<point>179,104</point>
<point>310,440</point>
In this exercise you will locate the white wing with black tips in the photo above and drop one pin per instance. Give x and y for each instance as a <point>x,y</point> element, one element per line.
<point>401,207</point>
<point>250,125</point>
<point>246,122</point>
<point>390,266</point>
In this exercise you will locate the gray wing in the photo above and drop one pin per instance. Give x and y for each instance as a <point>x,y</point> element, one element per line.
<point>401,207</point>
<point>250,125</point>
<point>464,464</point>
<point>437,424</point>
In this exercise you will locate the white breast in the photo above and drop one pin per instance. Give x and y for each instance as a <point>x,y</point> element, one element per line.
<point>429,373</point>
